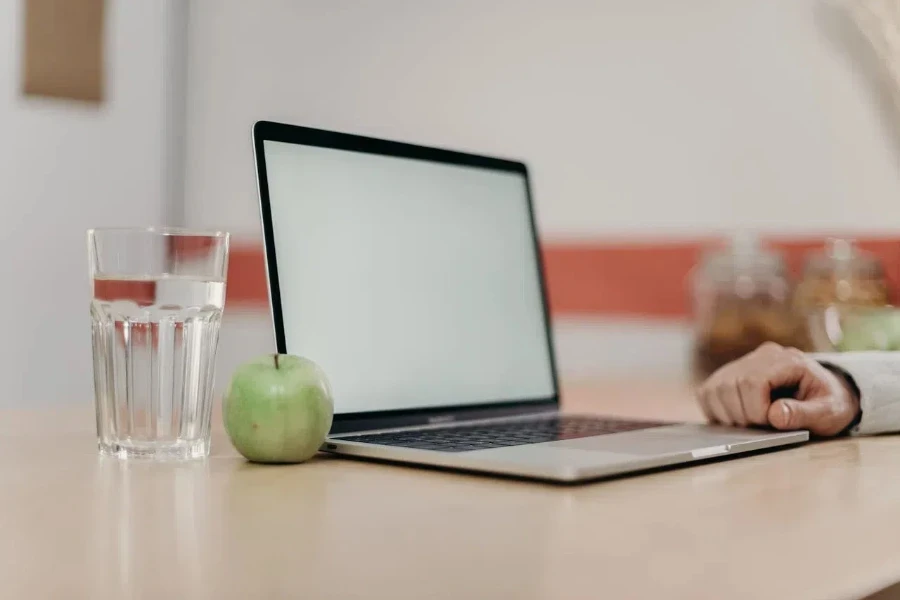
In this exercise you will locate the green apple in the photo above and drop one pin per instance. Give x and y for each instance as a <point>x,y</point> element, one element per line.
<point>877,330</point>
<point>892,327</point>
<point>278,409</point>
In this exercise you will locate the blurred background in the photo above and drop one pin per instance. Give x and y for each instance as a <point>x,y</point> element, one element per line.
<point>678,151</point>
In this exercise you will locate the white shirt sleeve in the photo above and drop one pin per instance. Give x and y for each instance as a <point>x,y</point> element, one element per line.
<point>877,375</point>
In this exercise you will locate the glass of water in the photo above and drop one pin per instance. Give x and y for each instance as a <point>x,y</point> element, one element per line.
<point>157,305</point>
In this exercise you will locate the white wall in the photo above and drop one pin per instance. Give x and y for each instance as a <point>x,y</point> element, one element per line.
<point>67,167</point>
<point>635,115</point>
<point>638,117</point>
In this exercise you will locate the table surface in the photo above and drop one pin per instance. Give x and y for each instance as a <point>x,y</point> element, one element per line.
<point>817,521</point>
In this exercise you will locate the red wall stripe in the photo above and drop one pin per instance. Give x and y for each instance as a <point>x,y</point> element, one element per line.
<point>246,285</point>
<point>640,279</point>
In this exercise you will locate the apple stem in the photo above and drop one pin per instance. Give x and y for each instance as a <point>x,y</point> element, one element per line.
<point>276,360</point>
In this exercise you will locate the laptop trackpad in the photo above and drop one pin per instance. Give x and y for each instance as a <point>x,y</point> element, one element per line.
<point>662,440</point>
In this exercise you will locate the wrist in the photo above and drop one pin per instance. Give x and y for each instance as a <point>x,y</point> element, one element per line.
<point>852,390</point>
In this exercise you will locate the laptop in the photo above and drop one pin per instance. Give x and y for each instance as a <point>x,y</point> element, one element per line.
<point>412,276</point>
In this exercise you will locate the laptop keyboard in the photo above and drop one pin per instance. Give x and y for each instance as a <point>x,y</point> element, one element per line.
<point>484,436</point>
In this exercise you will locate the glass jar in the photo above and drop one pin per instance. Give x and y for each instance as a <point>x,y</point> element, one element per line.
<point>742,298</point>
<point>842,275</point>
<point>842,295</point>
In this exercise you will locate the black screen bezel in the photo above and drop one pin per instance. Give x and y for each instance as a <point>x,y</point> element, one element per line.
<point>359,421</point>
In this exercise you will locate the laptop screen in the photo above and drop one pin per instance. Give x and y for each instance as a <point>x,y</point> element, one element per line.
<point>413,283</point>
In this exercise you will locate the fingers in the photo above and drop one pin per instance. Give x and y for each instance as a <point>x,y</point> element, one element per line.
<point>822,416</point>
<point>783,367</point>
<point>741,392</point>
<point>712,408</point>
<point>733,397</point>
<point>755,399</point>
<point>703,401</point>
<point>730,399</point>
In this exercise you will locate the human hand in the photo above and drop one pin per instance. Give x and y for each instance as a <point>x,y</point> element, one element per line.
<point>781,387</point>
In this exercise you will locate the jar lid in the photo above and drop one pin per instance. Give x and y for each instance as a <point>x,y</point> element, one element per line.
<point>843,259</point>
<point>743,256</point>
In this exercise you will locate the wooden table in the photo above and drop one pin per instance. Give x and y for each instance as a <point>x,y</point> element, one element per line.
<point>819,521</point>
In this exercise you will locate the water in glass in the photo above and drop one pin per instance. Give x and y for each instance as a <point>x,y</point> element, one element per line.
<point>154,346</point>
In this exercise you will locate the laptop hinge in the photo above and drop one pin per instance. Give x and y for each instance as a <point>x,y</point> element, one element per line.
<point>450,424</point>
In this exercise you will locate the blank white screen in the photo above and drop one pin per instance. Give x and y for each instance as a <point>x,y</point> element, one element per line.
<point>413,284</point>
